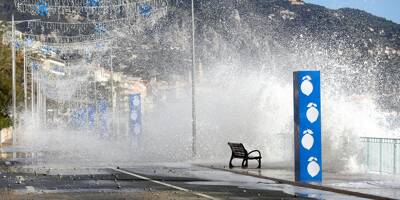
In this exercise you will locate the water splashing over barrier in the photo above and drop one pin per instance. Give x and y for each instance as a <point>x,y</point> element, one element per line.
<point>241,98</point>
<point>253,108</point>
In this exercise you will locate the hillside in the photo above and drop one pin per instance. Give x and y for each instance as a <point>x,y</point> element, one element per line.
<point>352,47</point>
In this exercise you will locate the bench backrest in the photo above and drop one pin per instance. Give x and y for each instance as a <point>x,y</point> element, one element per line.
<point>238,149</point>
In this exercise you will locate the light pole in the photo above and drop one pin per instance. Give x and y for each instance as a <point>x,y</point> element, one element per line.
<point>112,82</point>
<point>113,97</point>
<point>32,91</point>
<point>193,71</point>
<point>14,93</point>
<point>25,83</point>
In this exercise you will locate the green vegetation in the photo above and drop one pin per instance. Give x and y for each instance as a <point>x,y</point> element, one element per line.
<point>6,80</point>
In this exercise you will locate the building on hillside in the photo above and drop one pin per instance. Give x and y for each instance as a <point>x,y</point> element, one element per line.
<point>297,2</point>
<point>5,137</point>
<point>8,35</point>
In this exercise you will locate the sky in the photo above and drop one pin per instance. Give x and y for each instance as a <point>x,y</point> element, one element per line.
<point>389,9</point>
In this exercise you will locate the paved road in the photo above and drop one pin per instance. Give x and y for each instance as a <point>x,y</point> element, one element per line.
<point>155,181</point>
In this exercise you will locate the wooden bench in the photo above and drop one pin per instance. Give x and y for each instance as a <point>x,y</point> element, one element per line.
<point>238,151</point>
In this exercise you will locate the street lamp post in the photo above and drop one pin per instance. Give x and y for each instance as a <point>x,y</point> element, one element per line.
<point>14,94</point>
<point>25,83</point>
<point>112,82</point>
<point>32,91</point>
<point>193,71</point>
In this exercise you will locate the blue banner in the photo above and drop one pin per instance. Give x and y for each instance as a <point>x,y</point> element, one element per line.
<point>307,126</point>
<point>135,117</point>
<point>91,111</point>
<point>102,107</point>
<point>79,117</point>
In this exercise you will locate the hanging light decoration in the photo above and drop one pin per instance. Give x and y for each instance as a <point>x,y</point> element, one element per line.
<point>42,8</point>
<point>99,29</point>
<point>78,31</point>
<point>92,2</point>
<point>103,9</point>
<point>145,10</point>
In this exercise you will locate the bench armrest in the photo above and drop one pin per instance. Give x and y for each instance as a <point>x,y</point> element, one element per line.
<point>259,153</point>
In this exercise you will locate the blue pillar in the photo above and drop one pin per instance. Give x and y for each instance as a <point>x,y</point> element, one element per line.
<point>307,126</point>
<point>80,117</point>
<point>135,117</point>
<point>91,111</point>
<point>103,118</point>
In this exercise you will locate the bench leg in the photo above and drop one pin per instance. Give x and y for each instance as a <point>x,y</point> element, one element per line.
<point>259,163</point>
<point>230,162</point>
<point>245,163</point>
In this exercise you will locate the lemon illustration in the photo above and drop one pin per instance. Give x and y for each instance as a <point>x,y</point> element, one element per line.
<point>136,101</point>
<point>307,140</point>
<point>137,129</point>
<point>134,116</point>
<point>306,86</point>
<point>313,167</point>
<point>312,112</point>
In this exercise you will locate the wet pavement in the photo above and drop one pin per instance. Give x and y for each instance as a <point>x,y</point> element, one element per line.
<point>382,185</point>
<point>147,181</point>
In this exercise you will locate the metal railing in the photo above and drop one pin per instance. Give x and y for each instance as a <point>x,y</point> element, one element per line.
<point>382,154</point>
